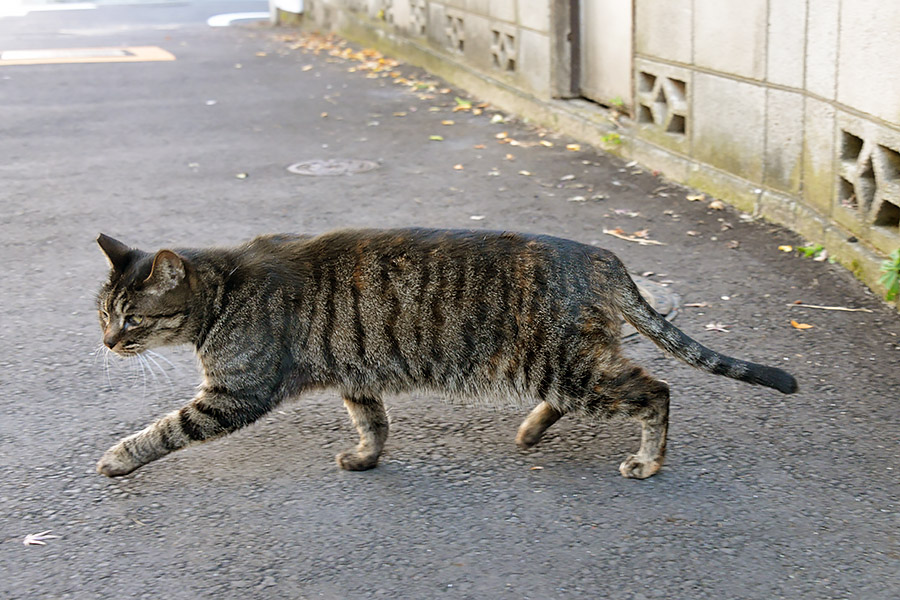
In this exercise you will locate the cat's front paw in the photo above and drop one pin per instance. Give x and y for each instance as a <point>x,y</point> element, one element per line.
<point>352,461</point>
<point>634,467</point>
<point>116,462</point>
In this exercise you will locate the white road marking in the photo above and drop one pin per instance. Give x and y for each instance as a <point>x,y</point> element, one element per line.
<point>226,19</point>
<point>20,9</point>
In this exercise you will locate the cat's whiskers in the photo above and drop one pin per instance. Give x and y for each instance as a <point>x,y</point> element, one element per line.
<point>150,353</point>
<point>148,360</point>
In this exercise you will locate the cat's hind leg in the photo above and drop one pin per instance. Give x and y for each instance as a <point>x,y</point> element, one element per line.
<point>535,424</point>
<point>635,394</point>
<point>371,421</point>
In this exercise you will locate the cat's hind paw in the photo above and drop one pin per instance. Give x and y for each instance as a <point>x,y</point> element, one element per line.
<point>353,461</point>
<point>635,467</point>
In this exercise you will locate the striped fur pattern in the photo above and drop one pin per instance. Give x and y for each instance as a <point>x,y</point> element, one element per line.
<point>490,317</point>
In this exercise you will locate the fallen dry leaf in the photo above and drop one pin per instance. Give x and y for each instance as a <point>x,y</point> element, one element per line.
<point>717,327</point>
<point>573,147</point>
<point>510,157</point>
<point>479,146</point>
<point>696,197</point>
<point>458,167</point>
<point>546,143</point>
<point>786,248</point>
<point>526,173</point>
<point>448,122</point>
<point>717,205</point>
<point>436,138</point>
<point>477,217</point>
<point>306,68</point>
<point>797,325</point>
<point>501,135</point>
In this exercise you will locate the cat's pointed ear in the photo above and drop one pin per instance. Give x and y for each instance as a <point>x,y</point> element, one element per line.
<point>118,254</point>
<point>167,273</point>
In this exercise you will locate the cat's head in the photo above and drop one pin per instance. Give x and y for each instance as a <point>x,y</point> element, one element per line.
<point>146,302</point>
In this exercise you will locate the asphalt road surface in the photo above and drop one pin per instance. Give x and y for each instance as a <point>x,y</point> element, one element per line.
<point>763,495</point>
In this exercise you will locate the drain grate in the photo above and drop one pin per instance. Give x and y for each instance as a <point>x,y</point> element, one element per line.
<point>332,167</point>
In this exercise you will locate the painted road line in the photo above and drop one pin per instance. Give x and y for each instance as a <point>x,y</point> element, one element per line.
<point>226,19</point>
<point>20,9</point>
<point>58,56</point>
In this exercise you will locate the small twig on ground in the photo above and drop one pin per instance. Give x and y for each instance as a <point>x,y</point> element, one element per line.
<point>631,238</point>
<point>844,308</point>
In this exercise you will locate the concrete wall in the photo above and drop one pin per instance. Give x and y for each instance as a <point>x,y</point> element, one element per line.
<point>789,109</point>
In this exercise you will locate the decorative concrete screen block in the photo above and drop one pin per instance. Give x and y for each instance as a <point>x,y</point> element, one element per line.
<point>784,140</point>
<point>535,14</point>
<point>869,180</point>
<point>730,36</point>
<point>869,58</point>
<point>664,29</point>
<point>662,104</point>
<point>787,39</point>
<point>822,28</point>
<point>504,49</point>
<point>454,27</point>
<point>418,17</point>
<point>729,125</point>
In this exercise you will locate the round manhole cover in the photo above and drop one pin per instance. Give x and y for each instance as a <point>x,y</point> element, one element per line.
<point>332,167</point>
<point>661,298</point>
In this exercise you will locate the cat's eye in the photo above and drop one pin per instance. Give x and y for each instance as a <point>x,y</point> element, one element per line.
<point>134,320</point>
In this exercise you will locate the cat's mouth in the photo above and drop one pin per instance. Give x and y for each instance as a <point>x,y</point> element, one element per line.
<point>131,349</point>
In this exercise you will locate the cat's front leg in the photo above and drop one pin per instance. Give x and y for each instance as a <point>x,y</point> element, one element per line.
<point>371,421</point>
<point>209,416</point>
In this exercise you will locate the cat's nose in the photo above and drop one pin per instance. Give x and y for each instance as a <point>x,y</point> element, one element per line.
<point>110,338</point>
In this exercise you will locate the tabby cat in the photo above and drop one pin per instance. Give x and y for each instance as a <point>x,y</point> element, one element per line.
<point>472,314</point>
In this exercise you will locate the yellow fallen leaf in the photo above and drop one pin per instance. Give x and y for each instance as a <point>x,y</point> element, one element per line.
<point>448,122</point>
<point>458,167</point>
<point>573,147</point>
<point>526,173</point>
<point>717,205</point>
<point>436,138</point>
<point>501,135</point>
<point>697,197</point>
<point>261,54</point>
<point>797,325</point>
<point>786,248</point>
<point>324,114</point>
<point>546,143</point>
<point>399,114</point>
<point>510,157</point>
<point>479,146</point>
<point>306,68</point>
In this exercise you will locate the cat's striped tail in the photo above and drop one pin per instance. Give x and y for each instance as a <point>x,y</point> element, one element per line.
<point>648,322</point>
